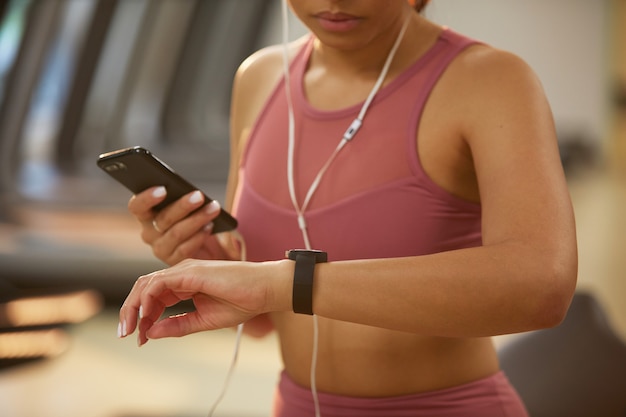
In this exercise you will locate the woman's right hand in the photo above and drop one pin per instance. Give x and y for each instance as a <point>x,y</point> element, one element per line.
<point>178,231</point>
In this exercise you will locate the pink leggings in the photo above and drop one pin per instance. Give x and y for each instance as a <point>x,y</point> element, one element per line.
<point>488,397</point>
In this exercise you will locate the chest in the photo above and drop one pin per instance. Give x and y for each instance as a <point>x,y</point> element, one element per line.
<point>440,147</point>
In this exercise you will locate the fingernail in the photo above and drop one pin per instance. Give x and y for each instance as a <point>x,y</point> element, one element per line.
<point>141,340</point>
<point>140,312</point>
<point>212,207</point>
<point>159,192</point>
<point>196,197</point>
<point>119,330</point>
<point>208,227</point>
<point>124,329</point>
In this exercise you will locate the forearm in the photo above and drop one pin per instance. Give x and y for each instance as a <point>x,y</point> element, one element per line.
<point>481,291</point>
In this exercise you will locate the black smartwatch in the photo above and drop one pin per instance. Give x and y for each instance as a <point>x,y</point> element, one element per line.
<point>303,277</point>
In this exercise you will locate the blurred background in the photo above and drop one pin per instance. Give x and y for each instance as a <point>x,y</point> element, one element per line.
<point>82,77</point>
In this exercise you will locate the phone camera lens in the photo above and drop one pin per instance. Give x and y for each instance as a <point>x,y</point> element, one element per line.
<point>117,166</point>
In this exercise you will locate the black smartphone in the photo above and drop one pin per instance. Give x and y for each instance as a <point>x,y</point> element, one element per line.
<point>139,169</point>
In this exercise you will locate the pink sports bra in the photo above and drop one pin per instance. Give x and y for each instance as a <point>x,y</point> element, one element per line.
<point>375,200</point>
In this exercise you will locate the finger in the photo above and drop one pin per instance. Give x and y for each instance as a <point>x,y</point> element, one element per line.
<point>185,238</point>
<point>143,327</point>
<point>191,248</point>
<point>147,320</point>
<point>178,210</point>
<point>151,311</point>
<point>177,326</point>
<point>141,205</point>
<point>128,317</point>
<point>155,225</point>
<point>166,288</point>
<point>129,312</point>
<point>153,231</point>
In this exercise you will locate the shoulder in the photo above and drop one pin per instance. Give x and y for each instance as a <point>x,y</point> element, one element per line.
<point>481,66</point>
<point>266,65</point>
<point>260,63</point>
<point>484,81</point>
<point>254,81</point>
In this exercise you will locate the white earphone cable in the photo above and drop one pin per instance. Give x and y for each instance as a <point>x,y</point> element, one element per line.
<point>348,135</point>
<point>233,363</point>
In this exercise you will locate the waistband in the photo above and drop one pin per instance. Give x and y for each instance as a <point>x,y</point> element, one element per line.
<point>492,396</point>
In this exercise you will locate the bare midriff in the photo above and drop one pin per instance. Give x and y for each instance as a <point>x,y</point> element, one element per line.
<point>363,361</point>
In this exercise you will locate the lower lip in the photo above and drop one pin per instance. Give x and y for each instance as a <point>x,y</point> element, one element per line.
<point>338,25</point>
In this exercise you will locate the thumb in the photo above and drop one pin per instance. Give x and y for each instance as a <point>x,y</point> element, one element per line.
<point>177,326</point>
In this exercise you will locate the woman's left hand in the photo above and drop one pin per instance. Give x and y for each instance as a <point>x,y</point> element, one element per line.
<point>224,293</point>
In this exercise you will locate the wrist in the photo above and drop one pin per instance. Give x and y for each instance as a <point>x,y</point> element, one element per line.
<point>304,277</point>
<point>280,285</point>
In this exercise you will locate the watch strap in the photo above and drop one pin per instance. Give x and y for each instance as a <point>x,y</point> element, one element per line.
<point>305,260</point>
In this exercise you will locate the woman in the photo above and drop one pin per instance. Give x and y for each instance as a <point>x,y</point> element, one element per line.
<point>446,218</point>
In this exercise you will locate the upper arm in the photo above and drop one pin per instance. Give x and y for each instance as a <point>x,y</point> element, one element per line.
<point>508,126</point>
<point>254,80</point>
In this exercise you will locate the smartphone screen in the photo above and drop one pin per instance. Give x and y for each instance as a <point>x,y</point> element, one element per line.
<point>138,169</point>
